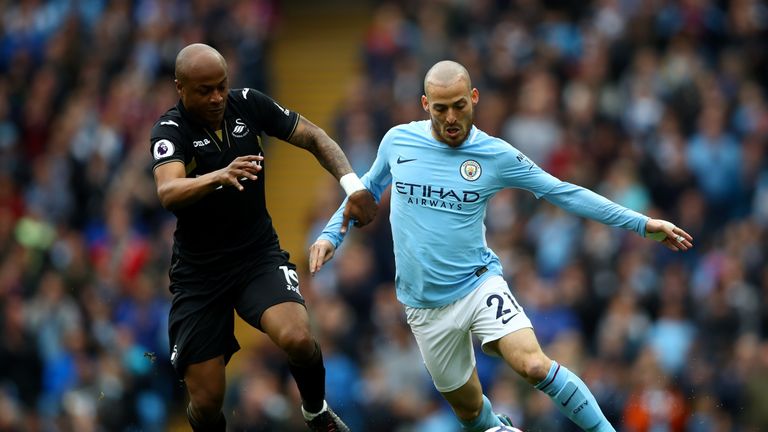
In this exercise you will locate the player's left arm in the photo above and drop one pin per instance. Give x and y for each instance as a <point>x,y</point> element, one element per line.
<point>290,126</point>
<point>315,140</point>
<point>517,170</point>
<point>377,179</point>
<point>589,204</point>
<point>361,205</point>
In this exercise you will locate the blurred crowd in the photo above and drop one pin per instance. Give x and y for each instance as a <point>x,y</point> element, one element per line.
<point>84,243</point>
<point>660,105</point>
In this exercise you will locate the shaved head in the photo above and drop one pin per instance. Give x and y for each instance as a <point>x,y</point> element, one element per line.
<point>450,100</point>
<point>202,83</point>
<point>444,74</point>
<point>193,58</point>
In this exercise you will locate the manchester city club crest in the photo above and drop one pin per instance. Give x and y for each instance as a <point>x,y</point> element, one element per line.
<point>470,170</point>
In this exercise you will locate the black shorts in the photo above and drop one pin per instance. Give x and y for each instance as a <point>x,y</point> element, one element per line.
<point>201,323</point>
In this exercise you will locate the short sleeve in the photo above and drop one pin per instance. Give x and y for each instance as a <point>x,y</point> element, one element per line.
<point>275,120</point>
<point>166,144</point>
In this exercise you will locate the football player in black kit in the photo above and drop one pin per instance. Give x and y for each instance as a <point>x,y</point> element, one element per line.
<point>209,171</point>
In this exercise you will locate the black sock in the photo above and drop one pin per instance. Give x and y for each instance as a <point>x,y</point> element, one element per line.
<point>310,379</point>
<point>218,425</point>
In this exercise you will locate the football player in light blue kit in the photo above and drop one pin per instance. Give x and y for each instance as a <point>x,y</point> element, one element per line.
<point>443,172</point>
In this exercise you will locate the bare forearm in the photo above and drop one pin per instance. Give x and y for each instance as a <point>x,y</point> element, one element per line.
<point>181,192</point>
<point>330,156</point>
<point>176,191</point>
<point>326,150</point>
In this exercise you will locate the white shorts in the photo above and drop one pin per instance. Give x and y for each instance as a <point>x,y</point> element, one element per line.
<point>444,334</point>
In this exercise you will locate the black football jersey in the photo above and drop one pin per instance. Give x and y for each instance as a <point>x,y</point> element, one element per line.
<point>226,225</point>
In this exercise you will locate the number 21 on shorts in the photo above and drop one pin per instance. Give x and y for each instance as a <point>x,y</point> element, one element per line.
<point>504,312</point>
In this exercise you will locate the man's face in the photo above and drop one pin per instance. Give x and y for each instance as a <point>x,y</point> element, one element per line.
<point>204,92</point>
<point>451,109</point>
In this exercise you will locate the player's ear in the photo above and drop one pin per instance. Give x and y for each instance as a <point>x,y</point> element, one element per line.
<point>178,86</point>
<point>424,103</point>
<point>475,96</point>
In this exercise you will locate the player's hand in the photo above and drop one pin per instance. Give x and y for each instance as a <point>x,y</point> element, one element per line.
<point>360,207</point>
<point>241,169</point>
<point>674,238</point>
<point>320,253</point>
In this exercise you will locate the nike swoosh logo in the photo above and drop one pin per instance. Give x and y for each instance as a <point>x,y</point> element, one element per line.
<point>504,321</point>
<point>569,397</point>
<point>401,160</point>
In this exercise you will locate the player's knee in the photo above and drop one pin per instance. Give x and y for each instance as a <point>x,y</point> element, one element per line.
<point>535,367</point>
<point>206,404</point>
<point>469,410</point>
<point>298,343</point>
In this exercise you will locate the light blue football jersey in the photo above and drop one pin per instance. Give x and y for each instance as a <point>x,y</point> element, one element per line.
<point>438,203</point>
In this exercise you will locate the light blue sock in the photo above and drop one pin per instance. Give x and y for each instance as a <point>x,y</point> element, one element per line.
<point>573,398</point>
<point>484,421</point>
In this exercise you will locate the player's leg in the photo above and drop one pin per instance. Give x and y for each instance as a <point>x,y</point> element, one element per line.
<point>201,327</point>
<point>287,325</point>
<point>446,346</point>
<point>205,382</point>
<point>504,329</point>
<point>471,406</point>
<point>467,400</point>
<point>272,303</point>
<point>522,352</point>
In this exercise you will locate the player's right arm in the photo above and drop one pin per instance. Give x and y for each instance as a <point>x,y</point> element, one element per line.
<point>324,247</point>
<point>376,180</point>
<point>176,190</point>
<point>177,179</point>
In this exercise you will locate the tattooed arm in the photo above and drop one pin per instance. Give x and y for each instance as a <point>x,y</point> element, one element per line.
<point>361,206</point>
<point>312,138</point>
